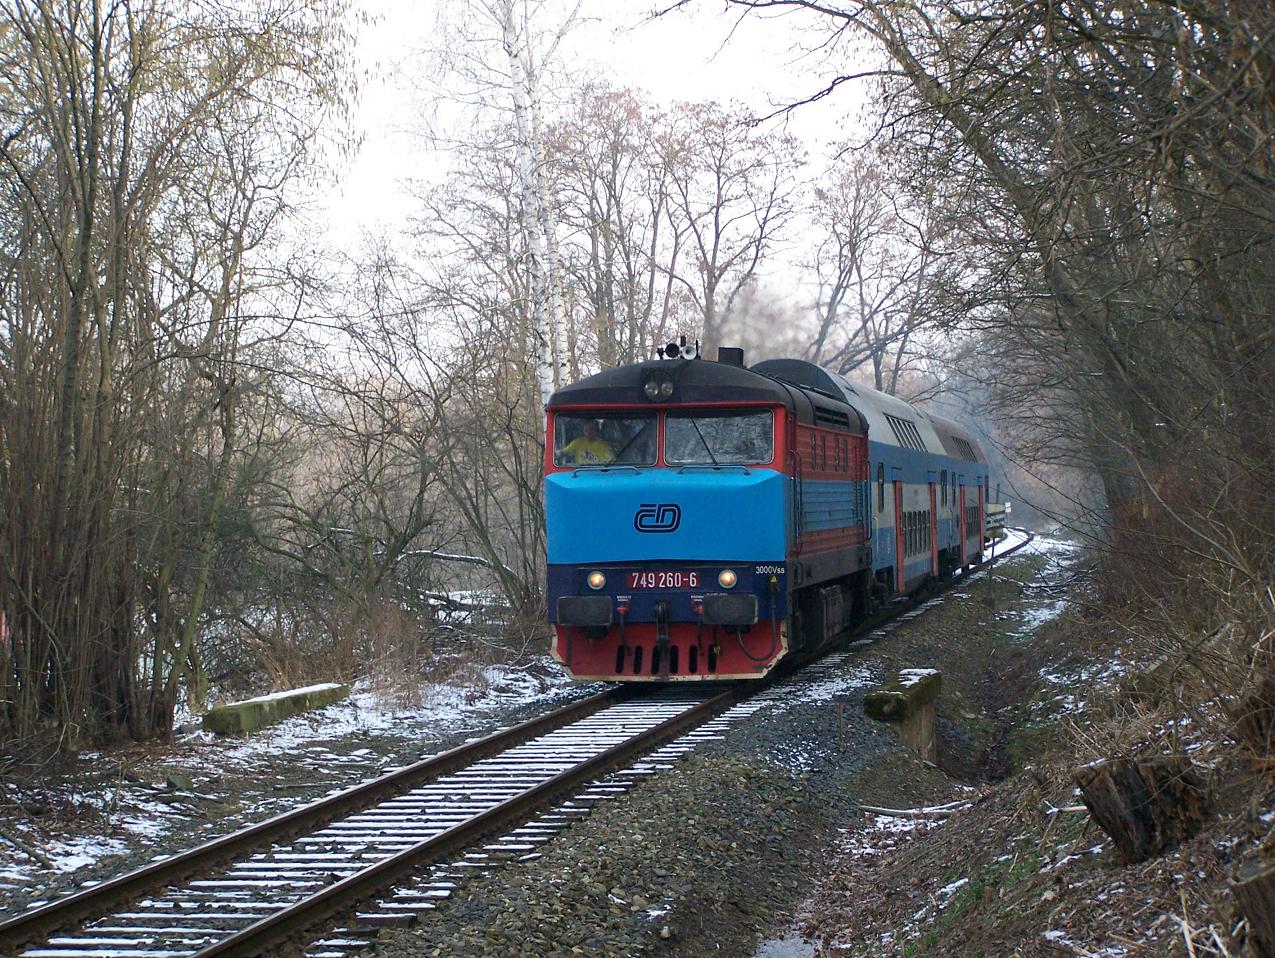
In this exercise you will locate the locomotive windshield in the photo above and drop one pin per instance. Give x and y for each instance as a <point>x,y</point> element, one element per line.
<point>604,440</point>
<point>719,438</point>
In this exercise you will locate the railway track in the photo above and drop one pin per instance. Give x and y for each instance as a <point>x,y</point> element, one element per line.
<point>398,844</point>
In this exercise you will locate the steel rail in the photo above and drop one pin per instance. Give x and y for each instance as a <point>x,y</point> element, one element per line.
<point>268,933</point>
<point>263,936</point>
<point>43,920</point>
<point>344,894</point>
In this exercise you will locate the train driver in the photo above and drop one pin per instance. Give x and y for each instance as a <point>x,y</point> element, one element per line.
<point>588,448</point>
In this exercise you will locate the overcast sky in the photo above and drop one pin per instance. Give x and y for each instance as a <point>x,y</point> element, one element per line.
<point>706,54</point>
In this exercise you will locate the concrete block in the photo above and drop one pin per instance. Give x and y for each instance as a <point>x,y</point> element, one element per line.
<point>240,718</point>
<point>906,704</point>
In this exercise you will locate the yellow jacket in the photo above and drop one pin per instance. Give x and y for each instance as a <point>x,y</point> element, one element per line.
<point>588,452</point>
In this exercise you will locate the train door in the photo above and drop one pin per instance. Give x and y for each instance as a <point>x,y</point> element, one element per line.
<point>898,532</point>
<point>982,514</point>
<point>883,499</point>
<point>934,528</point>
<point>961,517</point>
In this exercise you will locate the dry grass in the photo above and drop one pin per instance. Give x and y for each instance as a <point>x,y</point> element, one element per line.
<point>1040,878</point>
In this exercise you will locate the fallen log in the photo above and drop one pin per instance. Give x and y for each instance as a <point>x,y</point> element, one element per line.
<point>1254,890</point>
<point>25,847</point>
<point>1144,805</point>
<point>936,811</point>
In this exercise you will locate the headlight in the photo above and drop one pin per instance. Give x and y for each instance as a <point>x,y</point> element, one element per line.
<point>727,579</point>
<point>658,387</point>
<point>596,580</point>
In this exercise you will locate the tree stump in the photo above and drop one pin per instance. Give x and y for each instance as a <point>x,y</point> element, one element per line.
<point>1145,805</point>
<point>906,704</point>
<point>1254,890</point>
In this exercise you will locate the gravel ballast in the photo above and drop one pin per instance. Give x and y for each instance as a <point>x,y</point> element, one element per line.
<point>720,850</point>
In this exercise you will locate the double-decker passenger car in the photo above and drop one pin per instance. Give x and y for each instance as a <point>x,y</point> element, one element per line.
<point>704,519</point>
<point>929,481</point>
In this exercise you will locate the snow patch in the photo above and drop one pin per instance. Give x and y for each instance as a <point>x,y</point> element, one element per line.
<point>274,696</point>
<point>71,855</point>
<point>910,677</point>
<point>1033,619</point>
<point>439,707</point>
<point>1060,939</point>
<point>826,689</point>
<point>1050,547</point>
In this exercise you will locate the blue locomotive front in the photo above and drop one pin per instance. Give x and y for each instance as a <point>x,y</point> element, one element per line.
<point>666,512</point>
<point>701,518</point>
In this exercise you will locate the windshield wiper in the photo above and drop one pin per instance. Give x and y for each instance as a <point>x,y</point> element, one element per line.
<point>704,441</point>
<point>615,460</point>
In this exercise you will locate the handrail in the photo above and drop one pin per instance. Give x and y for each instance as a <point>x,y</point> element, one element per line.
<point>709,467</point>
<point>620,467</point>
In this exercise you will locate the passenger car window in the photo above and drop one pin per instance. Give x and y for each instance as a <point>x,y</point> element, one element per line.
<point>585,439</point>
<point>721,439</point>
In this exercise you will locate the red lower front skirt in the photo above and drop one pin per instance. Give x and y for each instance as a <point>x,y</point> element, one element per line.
<point>692,652</point>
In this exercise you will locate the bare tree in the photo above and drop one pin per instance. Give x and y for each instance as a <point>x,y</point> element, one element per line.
<point>621,254</point>
<point>732,193</point>
<point>143,168</point>
<point>873,265</point>
<point>527,36</point>
<point>1106,170</point>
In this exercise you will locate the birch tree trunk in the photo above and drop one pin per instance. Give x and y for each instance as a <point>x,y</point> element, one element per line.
<point>563,354</point>
<point>536,219</point>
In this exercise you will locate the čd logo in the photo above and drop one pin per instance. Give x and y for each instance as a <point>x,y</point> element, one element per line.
<point>657,517</point>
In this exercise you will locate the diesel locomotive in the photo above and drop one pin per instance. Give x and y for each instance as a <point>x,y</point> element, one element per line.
<point>704,518</point>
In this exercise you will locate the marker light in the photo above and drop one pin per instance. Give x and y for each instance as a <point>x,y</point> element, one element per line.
<point>596,580</point>
<point>727,579</point>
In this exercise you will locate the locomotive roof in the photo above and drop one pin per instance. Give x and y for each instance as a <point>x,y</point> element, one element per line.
<point>934,433</point>
<point>702,380</point>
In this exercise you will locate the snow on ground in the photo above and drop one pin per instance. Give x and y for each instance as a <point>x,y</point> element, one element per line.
<point>1100,673</point>
<point>882,836</point>
<point>1071,682</point>
<point>65,856</point>
<point>463,606</point>
<point>1049,546</point>
<point>1035,618</point>
<point>436,708</point>
<point>1060,940</point>
<point>825,689</point>
<point>1061,556</point>
<point>245,779</point>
